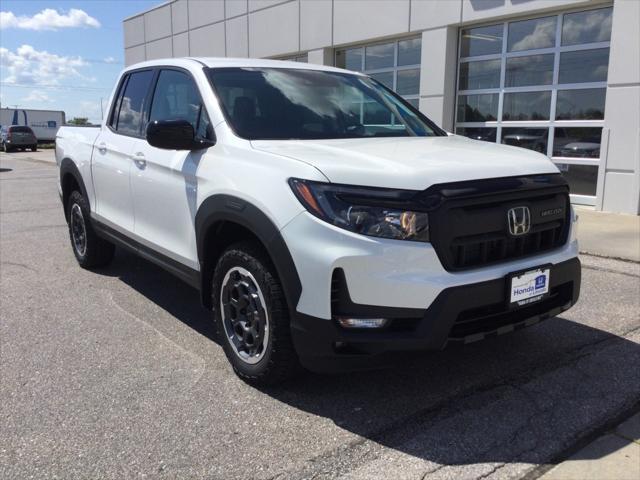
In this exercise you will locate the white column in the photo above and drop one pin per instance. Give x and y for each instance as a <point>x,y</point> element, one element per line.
<point>619,176</point>
<point>321,56</point>
<point>438,75</point>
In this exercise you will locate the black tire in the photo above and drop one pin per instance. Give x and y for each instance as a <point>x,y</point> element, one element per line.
<point>277,360</point>
<point>90,250</point>
<point>34,148</point>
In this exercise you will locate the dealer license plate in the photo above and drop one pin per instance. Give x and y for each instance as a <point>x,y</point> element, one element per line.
<point>530,286</point>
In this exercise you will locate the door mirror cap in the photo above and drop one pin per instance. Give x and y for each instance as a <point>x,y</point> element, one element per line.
<point>175,135</point>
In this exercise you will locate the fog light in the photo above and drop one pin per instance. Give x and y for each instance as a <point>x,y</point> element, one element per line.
<point>362,322</point>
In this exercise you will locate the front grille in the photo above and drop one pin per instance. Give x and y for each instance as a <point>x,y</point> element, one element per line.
<point>470,227</point>
<point>476,250</point>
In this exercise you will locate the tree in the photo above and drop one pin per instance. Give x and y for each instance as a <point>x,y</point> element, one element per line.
<point>79,121</point>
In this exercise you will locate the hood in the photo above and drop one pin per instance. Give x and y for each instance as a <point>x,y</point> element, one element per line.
<point>413,163</point>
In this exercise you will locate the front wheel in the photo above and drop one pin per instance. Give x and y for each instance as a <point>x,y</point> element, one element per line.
<point>90,250</point>
<point>34,148</point>
<point>252,317</point>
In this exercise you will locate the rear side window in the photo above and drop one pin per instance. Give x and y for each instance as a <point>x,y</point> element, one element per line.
<point>176,97</point>
<point>131,104</point>
<point>21,130</point>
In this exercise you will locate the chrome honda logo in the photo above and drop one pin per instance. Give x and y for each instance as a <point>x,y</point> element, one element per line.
<point>519,219</point>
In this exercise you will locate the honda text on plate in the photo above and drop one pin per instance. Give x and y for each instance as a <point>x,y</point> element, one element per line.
<point>324,220</point>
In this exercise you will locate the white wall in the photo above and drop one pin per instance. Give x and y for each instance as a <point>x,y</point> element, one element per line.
<point>276,28</point>
<point>620,163</point>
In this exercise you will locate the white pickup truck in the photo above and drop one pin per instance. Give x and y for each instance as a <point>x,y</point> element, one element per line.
<point>325,221</point>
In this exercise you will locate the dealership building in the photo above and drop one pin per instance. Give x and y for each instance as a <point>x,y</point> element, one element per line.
<point>561,77</point>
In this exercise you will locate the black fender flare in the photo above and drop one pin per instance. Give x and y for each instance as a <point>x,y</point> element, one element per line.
<point>226,208</point>
<point>68,167</point>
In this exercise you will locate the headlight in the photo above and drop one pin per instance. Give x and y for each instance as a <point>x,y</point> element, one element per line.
<point>377,212</point>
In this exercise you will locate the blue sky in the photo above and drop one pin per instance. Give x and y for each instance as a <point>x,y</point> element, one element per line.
<point>65,59</point>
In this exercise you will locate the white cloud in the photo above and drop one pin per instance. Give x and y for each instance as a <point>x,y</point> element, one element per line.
<point>49,19</point>
<point>90,109</point>
<point>109,60</point>
<point>29,66</point>
<point>37,96</point>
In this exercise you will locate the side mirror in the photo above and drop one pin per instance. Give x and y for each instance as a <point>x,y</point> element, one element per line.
<point>175,135</point>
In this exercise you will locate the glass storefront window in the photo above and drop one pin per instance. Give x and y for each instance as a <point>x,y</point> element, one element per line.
<point>577,142</point>
<point>479,74</point>
<point>532,34</point>
<point>529,70</point>
<point>408,82</point>
<point>304,58</point>
<point>478,108</point>
<point>585,104</point>
<point>530,138</point>
<point>526,106</point>
<point>582,179</point>
<point>409,52</point>
<point>522,83</point>
<point>586,27</point>
<point>394,64</point>
<point>484,134</point>
<point>385,78</point>
<point>481,41</point>
<point>584,66</point>
<point>350,59</point>
<point>379,56</point>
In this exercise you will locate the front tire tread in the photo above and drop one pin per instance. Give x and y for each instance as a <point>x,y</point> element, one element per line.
<point>281,362</point>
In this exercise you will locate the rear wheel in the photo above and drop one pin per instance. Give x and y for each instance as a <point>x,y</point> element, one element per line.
<point>34,148</point>
<point>90,250</point>
<point>252,317</point>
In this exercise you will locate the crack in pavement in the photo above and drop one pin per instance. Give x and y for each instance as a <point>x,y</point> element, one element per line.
<point>355,454</point>
<point>610,270</point>
<point>22,265</point>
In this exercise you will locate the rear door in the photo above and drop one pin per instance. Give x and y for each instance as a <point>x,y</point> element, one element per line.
<point>112,161</point>
<point>164,182</point>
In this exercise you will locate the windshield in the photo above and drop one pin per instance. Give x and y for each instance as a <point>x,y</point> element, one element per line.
<point>279,104</point>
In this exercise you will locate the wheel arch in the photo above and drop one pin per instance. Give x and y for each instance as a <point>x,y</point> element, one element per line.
<point>71,178</point>
<point>224,219</point>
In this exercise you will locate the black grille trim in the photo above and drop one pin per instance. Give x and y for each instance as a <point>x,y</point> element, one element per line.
<point>469,228</point>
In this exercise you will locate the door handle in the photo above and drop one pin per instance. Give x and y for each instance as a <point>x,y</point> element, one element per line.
<point>140,160</point>
<point>102,147</point>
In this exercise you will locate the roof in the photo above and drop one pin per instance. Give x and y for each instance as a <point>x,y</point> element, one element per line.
<point>222,62</point>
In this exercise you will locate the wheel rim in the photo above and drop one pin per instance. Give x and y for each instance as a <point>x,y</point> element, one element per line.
<point>244,315</point>
<point>78,230</point>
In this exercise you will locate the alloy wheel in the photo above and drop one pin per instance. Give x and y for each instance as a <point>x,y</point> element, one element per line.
<point>78,230</point>
<point>244,315</point>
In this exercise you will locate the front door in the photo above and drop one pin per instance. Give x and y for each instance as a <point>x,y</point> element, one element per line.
<point>165,182</point>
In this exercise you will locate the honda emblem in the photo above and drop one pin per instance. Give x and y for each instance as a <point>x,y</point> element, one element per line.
<point>519,220</point>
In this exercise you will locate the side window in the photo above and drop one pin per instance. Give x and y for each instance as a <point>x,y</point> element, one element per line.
<point>132,103</point>
<point>113,119</point>
<point>176,97</point>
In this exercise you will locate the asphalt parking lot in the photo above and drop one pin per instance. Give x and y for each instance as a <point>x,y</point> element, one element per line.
<point>118,374</point>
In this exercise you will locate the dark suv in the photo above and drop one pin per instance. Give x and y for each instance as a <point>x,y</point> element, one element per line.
<point>18,136</point>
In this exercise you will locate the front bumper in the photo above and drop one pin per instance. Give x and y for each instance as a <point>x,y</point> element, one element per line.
<point>383,272</point>
<point>460,314</point>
